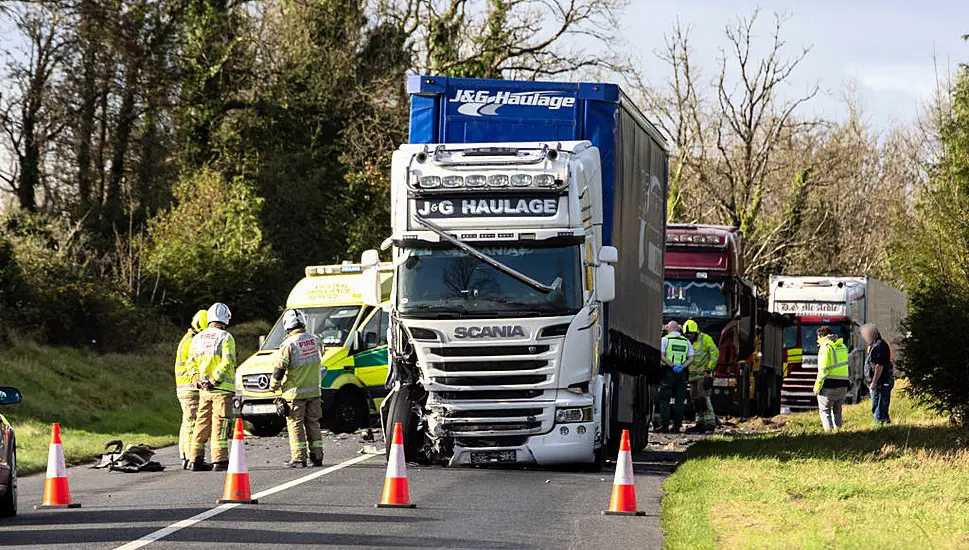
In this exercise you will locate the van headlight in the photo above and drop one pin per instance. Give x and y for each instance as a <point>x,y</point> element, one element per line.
<point>573,414</point>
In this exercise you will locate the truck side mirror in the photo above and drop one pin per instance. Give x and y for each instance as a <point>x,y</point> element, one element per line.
<point>370,294</point>
<point>608,255</point>
<point>606,282</point>
<point>356,345</point>
<point>262,340</point>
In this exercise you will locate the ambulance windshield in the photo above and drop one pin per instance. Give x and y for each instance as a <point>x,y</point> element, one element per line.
<point>332,324</point>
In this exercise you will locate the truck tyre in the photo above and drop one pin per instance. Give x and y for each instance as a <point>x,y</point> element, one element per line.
<point>349,411</point>
<point>401,409</point>
<point>8,504</point>
<point>263,429</point>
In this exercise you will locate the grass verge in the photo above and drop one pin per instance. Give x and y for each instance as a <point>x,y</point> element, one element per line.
<point>95,398</point>
<point>901,486</point>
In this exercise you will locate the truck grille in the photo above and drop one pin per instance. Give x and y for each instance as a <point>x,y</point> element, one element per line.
<point>471,366</point>
<point>491,380</point>
<point>479,351</point>
<point>493,427</point>
<point>493,413</point>
<point>490,394</point>
<point>483,395</point>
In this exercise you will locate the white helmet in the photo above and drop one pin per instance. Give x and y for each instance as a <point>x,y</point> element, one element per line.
<point>293,318</point>
<point>219,313</point>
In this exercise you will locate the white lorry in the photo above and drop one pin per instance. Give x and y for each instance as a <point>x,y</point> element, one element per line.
<point>842,303</point>
<point>520,210</point>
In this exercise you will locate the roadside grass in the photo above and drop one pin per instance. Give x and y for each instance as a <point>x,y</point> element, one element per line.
<point>900,486</point>
<point>95,398</point>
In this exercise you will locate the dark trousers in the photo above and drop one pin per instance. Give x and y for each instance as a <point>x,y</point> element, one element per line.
<point>881,398</point>
<point>672,385</point>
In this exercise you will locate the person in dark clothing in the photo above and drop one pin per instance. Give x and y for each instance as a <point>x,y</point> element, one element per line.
<point>879,373</point>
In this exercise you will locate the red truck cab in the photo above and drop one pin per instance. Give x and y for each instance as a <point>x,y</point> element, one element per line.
<point>704,281</point>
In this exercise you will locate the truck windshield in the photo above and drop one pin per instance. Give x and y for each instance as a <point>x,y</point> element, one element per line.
<point>448,281</point>
<point>331,323</point>
<point>809,336</point>
<point>695,299</point>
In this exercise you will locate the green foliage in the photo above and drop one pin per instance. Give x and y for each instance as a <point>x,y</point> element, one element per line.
<point>52,287</point>
<point>330,112</point>
<point>209,247</point>
<point>798,487</point>
<point>210,75</point>
<point>932,255</point>
<point>96,398</point>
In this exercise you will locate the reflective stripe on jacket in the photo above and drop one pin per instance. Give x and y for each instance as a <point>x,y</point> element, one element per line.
<point>832,362</point>
<point>301,356</point>
<point>183,376</point>
<point>213,354</point>
<point>705,356</point>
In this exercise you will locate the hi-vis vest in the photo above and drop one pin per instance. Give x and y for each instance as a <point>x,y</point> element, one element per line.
<point>705,355</point>
<point>301,356</point>
<point>677,349</point>
<point>213,355</point>
<point>183,378</point>
<point>832,362</point>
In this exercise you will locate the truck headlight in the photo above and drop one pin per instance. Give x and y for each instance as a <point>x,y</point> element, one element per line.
<point>573,414</point>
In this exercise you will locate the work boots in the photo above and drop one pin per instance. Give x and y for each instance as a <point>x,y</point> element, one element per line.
<point>296,464</point>
<point>200,466</point>
<point>221,465</point>
<point>317,461</point>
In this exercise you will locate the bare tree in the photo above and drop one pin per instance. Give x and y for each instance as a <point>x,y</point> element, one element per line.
<point>732,136</point>
<point>28,119</point>
<point>495,38</point>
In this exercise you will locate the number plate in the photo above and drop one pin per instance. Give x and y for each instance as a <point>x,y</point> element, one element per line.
<point>259,409</point>
<point>493,457</point>
<point>721,382</point>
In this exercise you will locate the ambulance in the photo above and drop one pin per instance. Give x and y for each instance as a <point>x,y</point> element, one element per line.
<point>354,336</point>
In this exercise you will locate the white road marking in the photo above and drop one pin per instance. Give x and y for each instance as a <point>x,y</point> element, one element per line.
<point>185,523</point>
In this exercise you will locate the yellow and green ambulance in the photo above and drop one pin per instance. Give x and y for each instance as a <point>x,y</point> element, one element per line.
<point>354,337</point>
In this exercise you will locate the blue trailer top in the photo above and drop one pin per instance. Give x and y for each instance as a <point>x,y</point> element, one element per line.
<point>464,110</point>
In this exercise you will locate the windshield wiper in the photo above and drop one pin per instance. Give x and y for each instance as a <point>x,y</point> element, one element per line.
<point>541,287</point>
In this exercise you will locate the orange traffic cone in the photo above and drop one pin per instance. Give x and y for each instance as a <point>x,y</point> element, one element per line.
<point>237,477</point>
<point>623,501</point>
<point>396,494</point>
<point>57,494</point>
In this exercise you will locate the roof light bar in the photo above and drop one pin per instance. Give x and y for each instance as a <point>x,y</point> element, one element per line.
<point>492,181</point>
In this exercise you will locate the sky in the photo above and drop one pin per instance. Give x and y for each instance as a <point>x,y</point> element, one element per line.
<point>886,48</point>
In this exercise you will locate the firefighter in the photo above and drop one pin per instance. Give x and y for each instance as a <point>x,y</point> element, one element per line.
<point>833,380</point>
<point>298,375</point>
<point>676,356</point>
<point>212,357</point>
<point>705,356</point>
<point>185,387</point>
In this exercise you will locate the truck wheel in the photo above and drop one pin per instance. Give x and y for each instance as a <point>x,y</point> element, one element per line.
<point>8,504</point>
<point>348,413</point>
<point>263,429</point>
<point>401,409</point>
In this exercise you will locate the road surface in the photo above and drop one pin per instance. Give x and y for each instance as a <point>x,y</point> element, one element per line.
<point>334,506</point>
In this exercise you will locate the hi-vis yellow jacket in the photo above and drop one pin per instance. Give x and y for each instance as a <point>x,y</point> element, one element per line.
<point>213,356</point>
<point>832,362</point>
